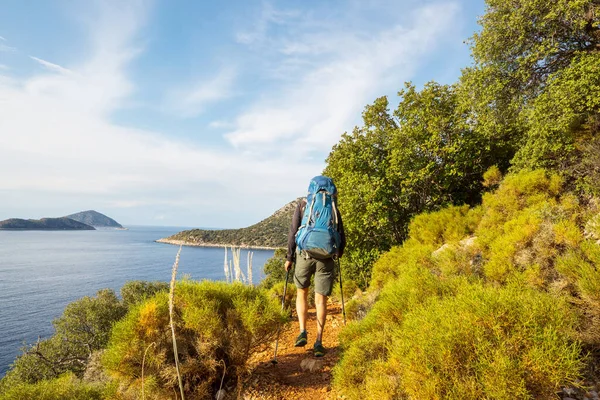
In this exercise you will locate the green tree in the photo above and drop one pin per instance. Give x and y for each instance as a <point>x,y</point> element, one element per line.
<point>134,292</point>
<point>421,157</point>
<point>273,269</point>
<point>83,329</point>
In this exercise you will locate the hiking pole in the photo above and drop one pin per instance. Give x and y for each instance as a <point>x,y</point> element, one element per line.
<point>287,274</point>
<point>341,290</point>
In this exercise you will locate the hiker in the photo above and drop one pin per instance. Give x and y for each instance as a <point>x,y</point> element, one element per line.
<point>316,239</point>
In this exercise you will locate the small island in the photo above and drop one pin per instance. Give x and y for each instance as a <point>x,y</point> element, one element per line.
<point>95,219</point>
<point>270,233</point>
<point>46,224</point>
<point>81,221</point>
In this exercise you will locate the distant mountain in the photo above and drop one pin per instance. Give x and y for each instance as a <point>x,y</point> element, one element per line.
<point>269,233</point>
<point>50,224</point>
<point>95,219</point>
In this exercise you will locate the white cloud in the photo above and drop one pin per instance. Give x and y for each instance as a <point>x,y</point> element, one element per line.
<point>342,72</point>
<point>4,47</point>
<point>51,66</point>
<point>4,67</point>
<point>57,143</point>
<point>187,102</point>
<point>269,15</point>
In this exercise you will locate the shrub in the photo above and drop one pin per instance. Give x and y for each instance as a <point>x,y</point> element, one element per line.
<point>580,268</point>
<point>83,328</point>
<point>450,224</point>
<point>134,292</point>
<point>487,343</point>
<point>218,325</point>
<point>365,343</point>
<point>274,270</point>
<point>350,289</point>
<point>475,342</point>
<point>391,264</point>
<point>66,386</point>
<point>276,293</point>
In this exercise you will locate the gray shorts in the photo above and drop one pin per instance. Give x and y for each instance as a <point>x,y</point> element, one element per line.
<point>323,270</point>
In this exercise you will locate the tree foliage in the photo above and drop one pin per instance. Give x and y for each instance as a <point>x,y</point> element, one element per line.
<point>83,328</point>
<point>419,158</point>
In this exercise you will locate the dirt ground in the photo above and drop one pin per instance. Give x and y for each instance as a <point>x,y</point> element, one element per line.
<point>298,373</point>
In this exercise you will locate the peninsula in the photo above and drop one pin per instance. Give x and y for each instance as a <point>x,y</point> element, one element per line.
<point>270,233</point>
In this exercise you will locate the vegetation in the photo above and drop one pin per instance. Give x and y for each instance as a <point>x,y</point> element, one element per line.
<point>219,326</point>
<point>67,386</point>
<point>271,232</point>
<point>476,294</point>
<point>51,224</point>
<point>472,215</point>
<point>494,301</point>
<point>83,328</point>
<point>531,93</point>
<point>274,270</point>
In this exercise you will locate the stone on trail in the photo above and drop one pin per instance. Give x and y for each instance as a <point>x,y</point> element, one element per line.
<point>310,364</point>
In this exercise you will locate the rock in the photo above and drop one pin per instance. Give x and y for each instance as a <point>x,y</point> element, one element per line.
<point>311,365</point>
<point>221,395</point>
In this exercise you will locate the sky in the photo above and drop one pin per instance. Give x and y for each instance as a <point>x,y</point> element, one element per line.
<point>200,113</point>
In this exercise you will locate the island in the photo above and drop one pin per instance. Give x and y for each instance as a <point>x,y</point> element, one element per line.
<point>46,224</point>
<point>270,233</point>
<point>95,219</point>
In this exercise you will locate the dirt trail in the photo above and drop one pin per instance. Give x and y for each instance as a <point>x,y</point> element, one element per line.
<point>291,377</point>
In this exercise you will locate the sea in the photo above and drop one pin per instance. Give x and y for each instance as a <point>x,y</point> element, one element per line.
<point>43,271</point>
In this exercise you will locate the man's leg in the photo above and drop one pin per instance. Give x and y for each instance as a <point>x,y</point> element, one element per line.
<point>302,308</point>
<point>321,304</point>
<point>302,273</point>
<point>324,278</point>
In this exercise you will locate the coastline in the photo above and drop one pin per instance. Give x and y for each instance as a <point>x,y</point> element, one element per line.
<point>222,245</point>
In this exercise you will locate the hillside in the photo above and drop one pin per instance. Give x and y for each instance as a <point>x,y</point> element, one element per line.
<point>95,219</point>
<point>51,224</point>
<point>269,233</point>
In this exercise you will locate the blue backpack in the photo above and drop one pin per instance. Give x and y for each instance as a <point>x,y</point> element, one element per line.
<point>318,234</point>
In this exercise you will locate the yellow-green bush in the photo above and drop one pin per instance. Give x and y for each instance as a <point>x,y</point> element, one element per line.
<point>482,342</point>
<point>218,325</point>
<point>474,303</point>
<point>350,289</point>
<point>448,225</point>
<point>391,264</point>
<point>66,386</point>
<point>276,293</point>
<point>365,342</point>
<point>487,342</point>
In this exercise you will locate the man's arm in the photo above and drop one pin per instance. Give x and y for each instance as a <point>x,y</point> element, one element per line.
<point>296,221</point>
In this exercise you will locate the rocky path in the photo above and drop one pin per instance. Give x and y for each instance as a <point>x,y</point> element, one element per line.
<point>298,374</point>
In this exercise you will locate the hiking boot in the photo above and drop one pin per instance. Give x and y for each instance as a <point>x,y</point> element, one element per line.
<point>301,340</point>
<point>319,349</point>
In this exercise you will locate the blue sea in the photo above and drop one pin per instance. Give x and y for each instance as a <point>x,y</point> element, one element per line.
<point>42,271</point>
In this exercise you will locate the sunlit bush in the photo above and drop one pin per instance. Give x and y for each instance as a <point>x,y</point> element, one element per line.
<point>66,386</point>
<point>218,327</point>
<point>479,343</point>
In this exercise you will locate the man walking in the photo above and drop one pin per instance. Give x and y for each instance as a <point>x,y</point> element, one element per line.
<point>315,240</point>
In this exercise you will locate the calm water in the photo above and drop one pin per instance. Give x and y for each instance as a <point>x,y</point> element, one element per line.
<point>41,272</point>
